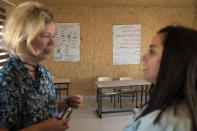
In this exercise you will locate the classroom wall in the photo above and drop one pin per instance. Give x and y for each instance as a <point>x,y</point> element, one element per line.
<point>96,40</point>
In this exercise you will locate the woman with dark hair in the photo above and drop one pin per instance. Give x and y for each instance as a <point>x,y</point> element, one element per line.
<point>171,65</point>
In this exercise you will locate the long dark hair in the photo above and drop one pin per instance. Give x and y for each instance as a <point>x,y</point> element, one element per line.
<point>177,76</point>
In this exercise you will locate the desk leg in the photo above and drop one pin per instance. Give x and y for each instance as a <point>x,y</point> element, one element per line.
<point>59,94</point>
<point>67,90</point>
<point>100,102</point>
<point>142,89</point>
<point>56,93</point>
<point>114,102</point>
<point>136,98</point>
<point>120,97</point>
<point>146,94</point>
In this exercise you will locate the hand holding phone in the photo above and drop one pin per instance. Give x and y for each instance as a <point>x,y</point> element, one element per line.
<point>67,112</point>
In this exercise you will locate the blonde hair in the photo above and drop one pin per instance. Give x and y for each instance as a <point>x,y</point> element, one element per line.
<point>25,22</point>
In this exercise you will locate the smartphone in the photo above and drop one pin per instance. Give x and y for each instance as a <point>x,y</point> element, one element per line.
<point>67,112</point>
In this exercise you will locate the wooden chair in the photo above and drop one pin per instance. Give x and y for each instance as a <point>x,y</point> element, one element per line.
<point>105,78</point>
<point>130,88</point>
<point>126,78</point>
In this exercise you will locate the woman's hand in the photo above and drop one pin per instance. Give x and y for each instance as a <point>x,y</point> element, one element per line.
<point>48,125</point>
<point>76,101</point>
<point>54,125</point>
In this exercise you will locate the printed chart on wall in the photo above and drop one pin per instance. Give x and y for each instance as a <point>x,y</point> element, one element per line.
<point>126,44</point>
<point>67,42</point>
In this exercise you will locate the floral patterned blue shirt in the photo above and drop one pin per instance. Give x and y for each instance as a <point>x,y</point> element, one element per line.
<point>38,95</point>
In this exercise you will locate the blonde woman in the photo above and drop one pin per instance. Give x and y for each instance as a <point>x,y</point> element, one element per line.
<point>27,94</point>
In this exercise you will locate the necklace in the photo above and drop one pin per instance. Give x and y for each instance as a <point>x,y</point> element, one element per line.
<point>30,70</point>
<point>34,66</point>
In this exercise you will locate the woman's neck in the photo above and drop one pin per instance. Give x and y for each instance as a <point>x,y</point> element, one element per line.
<point>28,61</point>
<point>29,64</point>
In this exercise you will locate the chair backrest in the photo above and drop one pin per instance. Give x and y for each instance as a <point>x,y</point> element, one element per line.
<point>126,78</point>
<point>104,79</point>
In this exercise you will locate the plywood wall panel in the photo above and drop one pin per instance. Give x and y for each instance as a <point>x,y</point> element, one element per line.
<point>79,72</point>
<point>151,19</point>
<point>96,40</point>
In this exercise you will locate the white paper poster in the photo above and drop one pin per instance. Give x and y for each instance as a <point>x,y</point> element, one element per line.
<point>126,44</point>
<point>67,42</point>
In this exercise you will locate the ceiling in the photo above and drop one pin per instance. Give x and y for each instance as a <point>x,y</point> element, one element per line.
<point>104,3</point>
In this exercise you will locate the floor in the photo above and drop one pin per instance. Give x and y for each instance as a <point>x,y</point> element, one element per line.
<point>86,119</point>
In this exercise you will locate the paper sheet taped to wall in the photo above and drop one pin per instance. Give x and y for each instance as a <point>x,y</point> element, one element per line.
<point>67,42</point>
<point>126,44</point>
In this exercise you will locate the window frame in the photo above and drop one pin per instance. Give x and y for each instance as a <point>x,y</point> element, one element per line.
<point>4,56</point>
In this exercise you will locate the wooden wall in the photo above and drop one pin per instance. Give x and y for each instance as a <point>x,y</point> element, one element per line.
<point>96,40</point>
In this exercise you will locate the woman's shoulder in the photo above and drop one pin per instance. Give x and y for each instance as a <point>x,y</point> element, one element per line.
<point>7,71</point>
<point>45,73</point>
<point>172,119</point>
<point>43,69</point>
<point>10,66</point>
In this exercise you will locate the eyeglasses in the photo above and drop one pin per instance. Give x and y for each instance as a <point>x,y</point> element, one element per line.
<point>47,35</point>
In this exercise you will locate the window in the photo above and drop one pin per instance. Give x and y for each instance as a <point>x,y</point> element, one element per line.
<point>3,55</point>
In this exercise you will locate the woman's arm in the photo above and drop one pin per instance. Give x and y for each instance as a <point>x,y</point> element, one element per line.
<point>76,101</point>
<point>47,125</point>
